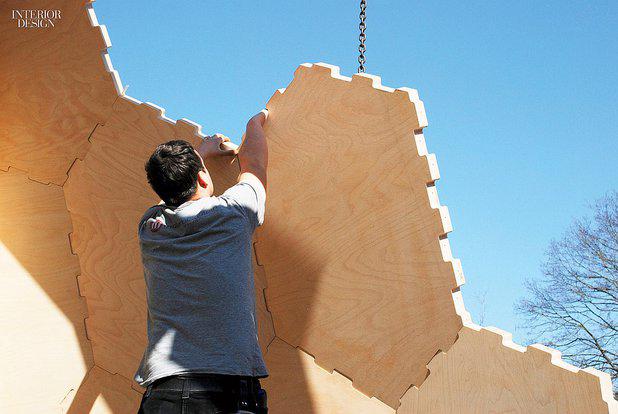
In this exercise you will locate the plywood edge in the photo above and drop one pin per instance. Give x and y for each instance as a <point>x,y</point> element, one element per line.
<point>537,351</point>
<point>75,170</point>
<point>80,173</point>
<point>266,334</point>
<point>549,355</point>
<point>362,80</point>
<point>78,278</point>
<point>83,300</point>
<point>432,172</point>
<point>81,304</point>
<point>75,246</point>
<point>159,112</point>
<point>105,44</point>
<point>332,377</point>
<point>184,127</point>
<point>607,388</point>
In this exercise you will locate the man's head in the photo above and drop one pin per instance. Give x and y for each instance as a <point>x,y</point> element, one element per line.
<point>177,173</point>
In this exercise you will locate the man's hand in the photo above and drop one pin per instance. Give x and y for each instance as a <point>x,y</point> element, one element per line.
<point>215,145</point>
<point>260,117</point>
<point>253,152</point>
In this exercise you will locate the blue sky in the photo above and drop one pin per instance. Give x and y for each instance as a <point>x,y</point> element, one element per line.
<point>520,97</point>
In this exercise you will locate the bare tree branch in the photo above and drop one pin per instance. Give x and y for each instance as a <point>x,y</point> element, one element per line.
<point>574,305</point>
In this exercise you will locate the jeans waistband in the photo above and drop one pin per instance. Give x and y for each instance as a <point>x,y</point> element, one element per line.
<point>203,382</point>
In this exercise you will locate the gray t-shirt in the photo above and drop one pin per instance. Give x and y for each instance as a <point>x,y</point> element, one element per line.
<point>199,285</point>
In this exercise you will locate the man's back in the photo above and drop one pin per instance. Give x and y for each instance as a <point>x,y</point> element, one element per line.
<point>199,286</point>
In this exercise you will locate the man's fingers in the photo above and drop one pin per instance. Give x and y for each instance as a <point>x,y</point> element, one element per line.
<point>225,150</point>
<point>228,147</point>
<point>155,224</point>
<point>218,137</point>
<point>218,144</point>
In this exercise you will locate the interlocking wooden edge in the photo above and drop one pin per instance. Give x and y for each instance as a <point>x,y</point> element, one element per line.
<point>552,356</point>
<point>338,376</point>
<point>159,112</point>
<point>376,83</point>
<point>82,298</point>
<point>433,174</point>
<point>115,76</point>
<point>106,44</point>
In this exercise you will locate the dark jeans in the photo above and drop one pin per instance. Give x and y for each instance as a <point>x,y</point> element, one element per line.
<point>204,394</point>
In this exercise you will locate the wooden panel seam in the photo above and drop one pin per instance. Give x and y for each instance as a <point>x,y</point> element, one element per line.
<point>186,127</point>
<point>334,372</point>
<point>105,44</point>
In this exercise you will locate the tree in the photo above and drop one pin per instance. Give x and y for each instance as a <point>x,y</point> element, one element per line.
<point>574,306</point>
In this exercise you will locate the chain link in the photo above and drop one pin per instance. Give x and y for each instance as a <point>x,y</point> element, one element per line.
<point>362,37</point>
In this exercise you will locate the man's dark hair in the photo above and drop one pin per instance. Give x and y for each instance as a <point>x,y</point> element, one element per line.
<point>172,171</point>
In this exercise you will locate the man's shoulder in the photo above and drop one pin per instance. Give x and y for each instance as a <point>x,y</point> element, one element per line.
<point>248,186</point>
<point>152,211</point>
<point>249,195</point>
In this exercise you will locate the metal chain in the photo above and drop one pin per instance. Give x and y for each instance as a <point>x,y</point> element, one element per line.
<point>362,37</point>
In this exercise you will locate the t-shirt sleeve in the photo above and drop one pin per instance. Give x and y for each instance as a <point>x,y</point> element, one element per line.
<point>250,195</point>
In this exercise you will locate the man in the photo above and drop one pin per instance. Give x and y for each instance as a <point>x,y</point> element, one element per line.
<point>203,354</point>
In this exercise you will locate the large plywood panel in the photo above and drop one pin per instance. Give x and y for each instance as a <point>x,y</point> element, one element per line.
<point>298,385</point>
<point>45,352</point>
<point>56,84</point>
<point>358,267</point>
<point>106,194</point>
<point>484,372</point>
<point>104,393</point>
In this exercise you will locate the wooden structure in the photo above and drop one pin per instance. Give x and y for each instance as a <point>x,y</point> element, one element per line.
<point>485,372</point>
<point>357,291</point>
<point>358,264</point>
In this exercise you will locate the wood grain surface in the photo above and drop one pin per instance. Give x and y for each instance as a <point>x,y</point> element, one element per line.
<point>484,372</point>
<point>54,88</point>
<point>298,385</point>
<point>104,393</point>
<point>106,195</point>
<point>353,260</point>
<point>45,351</point>
<point>354,244</point>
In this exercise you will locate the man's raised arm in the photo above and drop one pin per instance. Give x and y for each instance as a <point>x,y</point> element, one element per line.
<point>253,152</point>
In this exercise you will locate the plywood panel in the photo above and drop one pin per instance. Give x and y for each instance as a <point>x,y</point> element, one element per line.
<point>106,194</point>
<point>104,393</point>
<point>354,244</point>
<point>484,372</point>
<point>298,385</point>
<point>56,84</point>
<point>45,352</point>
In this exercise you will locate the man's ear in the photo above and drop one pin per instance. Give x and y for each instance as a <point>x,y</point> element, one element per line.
<point>202,179</point>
